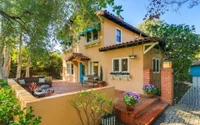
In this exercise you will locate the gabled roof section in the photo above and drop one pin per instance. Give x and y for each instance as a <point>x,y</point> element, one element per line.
<point>79,56</point>
<point>120,22</point>
<point>130,43</point>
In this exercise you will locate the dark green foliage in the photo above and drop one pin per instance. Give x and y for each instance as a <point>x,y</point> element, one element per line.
<point>179,42</point>
<point>9,107</point>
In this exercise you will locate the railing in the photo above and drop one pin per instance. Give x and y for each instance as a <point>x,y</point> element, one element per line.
<point>111,119</point>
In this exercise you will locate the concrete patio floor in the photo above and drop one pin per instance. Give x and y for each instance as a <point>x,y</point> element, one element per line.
<point>62,86</point>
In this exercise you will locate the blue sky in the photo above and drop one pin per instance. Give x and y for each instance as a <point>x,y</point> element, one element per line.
<point>135,10</point>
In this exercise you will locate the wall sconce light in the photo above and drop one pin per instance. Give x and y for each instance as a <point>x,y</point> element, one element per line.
<point>167,64</point>
<point>132,56</point>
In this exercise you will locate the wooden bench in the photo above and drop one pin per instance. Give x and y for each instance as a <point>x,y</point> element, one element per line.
<point>91,79</point>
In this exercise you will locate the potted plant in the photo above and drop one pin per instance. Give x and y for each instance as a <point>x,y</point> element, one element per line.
<point>101,83</point>
<point>130,99</point>
<point>150,90</point>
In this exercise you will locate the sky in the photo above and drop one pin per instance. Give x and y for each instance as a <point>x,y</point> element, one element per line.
<point>135,10</point>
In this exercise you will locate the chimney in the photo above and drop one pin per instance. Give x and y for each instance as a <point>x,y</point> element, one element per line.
<point>120,17</point>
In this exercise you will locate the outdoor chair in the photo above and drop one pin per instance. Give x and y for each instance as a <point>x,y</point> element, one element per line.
<point>91,79</point>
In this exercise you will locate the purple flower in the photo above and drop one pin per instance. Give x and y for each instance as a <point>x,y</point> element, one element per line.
<point>149,88</point>
<point>131,97</point>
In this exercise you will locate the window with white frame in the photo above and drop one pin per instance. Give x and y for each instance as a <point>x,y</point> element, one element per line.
<point>118,36</point>
<point>120,65</point>
<point>92,36</point>
<point>94,68</point>
<point>156,66</point>
<point>70,68</point>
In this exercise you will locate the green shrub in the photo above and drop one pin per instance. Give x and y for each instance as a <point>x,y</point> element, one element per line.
<point>93,105</point>
<point>9,107</point>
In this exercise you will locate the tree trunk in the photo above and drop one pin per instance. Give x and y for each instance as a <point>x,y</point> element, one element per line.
<point>6,61</point>
<point>1,52</point>
<point>9,65</point>
<point>28,67</point>
<point>19,58</point>
<point>1,60</point>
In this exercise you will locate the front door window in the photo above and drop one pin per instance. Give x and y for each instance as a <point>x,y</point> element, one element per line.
<point>94,68</point>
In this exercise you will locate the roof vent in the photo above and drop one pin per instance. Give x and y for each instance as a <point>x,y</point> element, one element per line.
<point>120,17</point>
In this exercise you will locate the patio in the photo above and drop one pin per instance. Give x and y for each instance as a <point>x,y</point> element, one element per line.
<point>62,86</point>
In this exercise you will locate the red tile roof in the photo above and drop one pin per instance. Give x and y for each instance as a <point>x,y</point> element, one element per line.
<point>135,42</point>
<point>120,22</point>
<point>79,56</point>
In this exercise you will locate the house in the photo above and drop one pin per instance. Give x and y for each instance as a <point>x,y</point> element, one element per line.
<point>126,57</point>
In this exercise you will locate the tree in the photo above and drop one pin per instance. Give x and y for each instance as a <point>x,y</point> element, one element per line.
<point>156,8</point>
<point>180,44</point>
<point>41,20</point>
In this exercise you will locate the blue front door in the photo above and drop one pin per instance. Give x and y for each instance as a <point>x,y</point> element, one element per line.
<point>82,72</point>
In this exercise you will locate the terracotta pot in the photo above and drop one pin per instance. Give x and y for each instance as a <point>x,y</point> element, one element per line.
<point>150,95</point>
<point>130,107</point>
<point>101,84</point>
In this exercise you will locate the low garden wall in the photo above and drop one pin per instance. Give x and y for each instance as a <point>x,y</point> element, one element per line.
<point>54,110</point>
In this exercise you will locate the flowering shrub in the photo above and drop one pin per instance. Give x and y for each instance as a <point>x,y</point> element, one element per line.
<point>150,89</point>
<point>130,98</point>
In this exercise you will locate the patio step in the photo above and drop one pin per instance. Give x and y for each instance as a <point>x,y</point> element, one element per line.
<point>147,117</point>
<point>142,106</point>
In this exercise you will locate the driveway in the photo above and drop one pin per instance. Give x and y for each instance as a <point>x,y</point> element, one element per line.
<point>186,112</point>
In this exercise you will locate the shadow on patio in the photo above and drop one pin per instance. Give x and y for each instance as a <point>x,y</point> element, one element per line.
<point>62,86</point>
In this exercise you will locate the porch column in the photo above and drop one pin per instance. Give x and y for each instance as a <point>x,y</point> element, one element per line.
<point>147,76</point>
<point>75,63</point>
<point>167,85</point>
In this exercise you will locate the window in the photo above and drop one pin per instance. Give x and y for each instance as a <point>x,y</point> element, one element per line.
<point>124,64</point>
<point>156,66</point>
<point>120,65</point>
<point>118,36</point>
<point>89,37</point>
<point>70,68</point>
<point>95,35</point>
<point>116,65</point>
<point>94,68</point>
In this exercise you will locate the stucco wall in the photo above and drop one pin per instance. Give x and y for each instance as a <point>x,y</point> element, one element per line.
<point>54,110</point>
<point>148,58</point>
<point>135,69</point>
<point>93,53</point>
<point>110,33</point>
<point>107,36</point>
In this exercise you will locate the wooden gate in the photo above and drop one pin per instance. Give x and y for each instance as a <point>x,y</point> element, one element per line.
<point>156,80</point>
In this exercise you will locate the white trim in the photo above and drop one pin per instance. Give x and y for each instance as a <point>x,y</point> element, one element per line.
<point>120,61</point>
<point>92,61</point>
<point>116,35</point>
<point>78,71</point>
<point>92,37</point>
<point>156,65</point>
<point>69,74</point>
<point>149,48</point>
